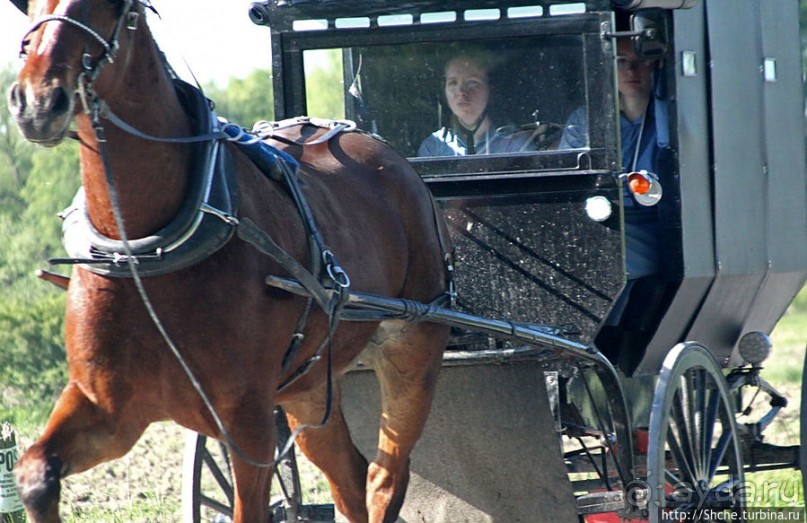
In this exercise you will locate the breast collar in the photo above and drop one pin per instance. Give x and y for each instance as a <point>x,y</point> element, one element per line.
<point>201,227</point>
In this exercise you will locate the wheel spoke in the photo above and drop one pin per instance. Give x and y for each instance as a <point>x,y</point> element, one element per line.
<point>709,421</point>
<point>680,418</point>
<point>684,467</point>
<point>719,453</point>
<point>698,435</point>
<point>217,506</point>
<point>671,478</point>
<point>219,476</point>
<point>688,388</point>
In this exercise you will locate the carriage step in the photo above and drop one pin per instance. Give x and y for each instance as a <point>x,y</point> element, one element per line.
<point>597,502</point>
<point>323,513</point>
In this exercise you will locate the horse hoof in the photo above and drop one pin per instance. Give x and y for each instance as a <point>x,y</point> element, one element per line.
<point>37,479</point>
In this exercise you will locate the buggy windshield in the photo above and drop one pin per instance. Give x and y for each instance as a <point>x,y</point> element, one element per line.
<point>481,106</point>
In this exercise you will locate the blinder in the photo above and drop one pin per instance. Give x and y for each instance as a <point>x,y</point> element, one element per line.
<point>22,5</point>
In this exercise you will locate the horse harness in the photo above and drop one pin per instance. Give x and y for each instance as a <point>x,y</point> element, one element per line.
<point>207,220</point>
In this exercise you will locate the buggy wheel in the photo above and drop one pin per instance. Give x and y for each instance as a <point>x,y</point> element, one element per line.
<point>694,455</point>
<point>207,480</point>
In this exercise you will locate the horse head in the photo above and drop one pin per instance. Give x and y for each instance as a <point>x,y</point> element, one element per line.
<point>65,50</point>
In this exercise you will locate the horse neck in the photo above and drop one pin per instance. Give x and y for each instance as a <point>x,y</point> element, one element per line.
<point>149,177</point>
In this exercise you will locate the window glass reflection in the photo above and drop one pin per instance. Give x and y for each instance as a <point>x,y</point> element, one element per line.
<point>447,99</point>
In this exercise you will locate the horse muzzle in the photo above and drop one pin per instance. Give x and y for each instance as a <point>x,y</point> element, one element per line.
<point>42,115</point>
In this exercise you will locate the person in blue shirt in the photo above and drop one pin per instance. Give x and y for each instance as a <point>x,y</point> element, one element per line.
<point>471,129</point>
<point>644,134</point>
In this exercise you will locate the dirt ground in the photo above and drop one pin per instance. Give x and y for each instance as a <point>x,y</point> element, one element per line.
<point>145,485</point>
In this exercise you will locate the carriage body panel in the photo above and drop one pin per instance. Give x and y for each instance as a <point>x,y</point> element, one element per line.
<point>465,467</point>
<point>526,249</point>
<point>743,225</point>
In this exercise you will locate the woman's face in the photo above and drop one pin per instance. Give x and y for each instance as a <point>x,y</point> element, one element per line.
<point>467,90</point>
<point>634,73</point>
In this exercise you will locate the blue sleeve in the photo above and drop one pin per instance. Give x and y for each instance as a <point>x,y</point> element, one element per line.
<point>427,147</point>
<point>575,132</point>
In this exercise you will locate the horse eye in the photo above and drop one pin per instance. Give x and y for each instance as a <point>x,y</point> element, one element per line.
<point>24,47</point>
<point>116,5</point>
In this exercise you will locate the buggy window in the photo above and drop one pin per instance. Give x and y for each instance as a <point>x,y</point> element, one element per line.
<point>399,91</point>
<point>550,101</point>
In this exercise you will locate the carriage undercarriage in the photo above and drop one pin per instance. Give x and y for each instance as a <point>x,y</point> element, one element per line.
<point>606,462</point>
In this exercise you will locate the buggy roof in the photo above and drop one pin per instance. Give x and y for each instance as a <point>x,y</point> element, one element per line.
<point>279,14</point>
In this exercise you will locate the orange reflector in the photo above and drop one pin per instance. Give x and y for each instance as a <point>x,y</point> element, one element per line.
<point>638,183</point>
<point>644,186</point>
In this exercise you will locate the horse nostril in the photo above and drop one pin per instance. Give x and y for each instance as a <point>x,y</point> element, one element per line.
<point>60,103</point>
<point>16,100</point>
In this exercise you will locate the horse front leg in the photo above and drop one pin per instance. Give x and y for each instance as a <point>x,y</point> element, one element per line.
<point>253,483</point>
<point>331,449</point>
<point>78,436</point>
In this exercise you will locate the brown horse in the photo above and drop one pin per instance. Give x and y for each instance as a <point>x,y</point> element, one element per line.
<point>232,330</point>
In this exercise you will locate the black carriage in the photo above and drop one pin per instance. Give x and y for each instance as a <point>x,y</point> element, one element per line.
<point>545,407</point>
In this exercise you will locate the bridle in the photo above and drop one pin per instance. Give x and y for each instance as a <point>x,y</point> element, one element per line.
<point>129,18</point>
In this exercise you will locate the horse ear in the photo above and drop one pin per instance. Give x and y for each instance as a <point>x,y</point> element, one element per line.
<point>22,5</point>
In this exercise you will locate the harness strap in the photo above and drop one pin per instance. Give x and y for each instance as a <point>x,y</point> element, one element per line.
<point>249,232</point>
<point>217,134</point>
<point>447,249</point>
<point>338,128</point>
<point>266,129</point>
<point>368,307</point>
<point>108,48</point>
<point>282,168</point>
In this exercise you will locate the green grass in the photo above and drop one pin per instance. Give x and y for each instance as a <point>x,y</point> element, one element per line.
<point>25,420</point>
<point>780,488</point>
<point>789,342</point>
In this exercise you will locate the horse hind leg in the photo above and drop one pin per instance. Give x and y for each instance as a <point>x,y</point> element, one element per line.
<point>406,358</point>
<point>79,435</point>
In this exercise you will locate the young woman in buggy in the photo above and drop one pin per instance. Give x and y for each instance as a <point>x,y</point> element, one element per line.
<point>471,128</point>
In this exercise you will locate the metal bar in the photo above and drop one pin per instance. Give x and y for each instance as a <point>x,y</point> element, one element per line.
<point>397,308</point>
<point>535,335</point>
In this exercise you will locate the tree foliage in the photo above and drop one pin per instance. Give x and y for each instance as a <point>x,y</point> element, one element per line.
<point>325,91</point>
<point>244,100</point>
<point>35,184</point>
